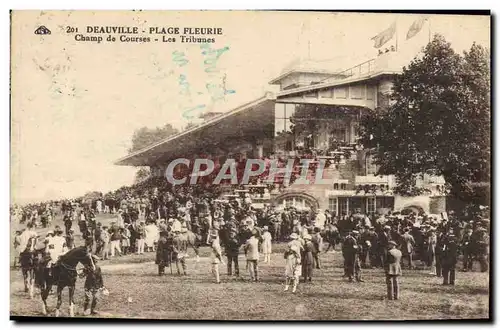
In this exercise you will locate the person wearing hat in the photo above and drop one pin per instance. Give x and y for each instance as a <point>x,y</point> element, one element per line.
<point>431,250</point>
<point>125,239</point>
<point>68,223</point>
<point>368,242</point>
<point>179,250</point>
<point>266,244</point>
<point>317,241</point>
<point>25,236</point>
<point>19,248</point>
<point>232,249</point>
<point>216,254</point>
<point>93,286</point>
<point>55,247</point>
<point>393,270</point>
<point>141,237</point>
<point>383,237</point>
<point>467,247</point>
<point>163,253</point>
<point>350,252</point>
<point>293,267</point>
<point>481,242</point>
<point>97,237</point>
<point>70,239</point>
<point>105,243</point>
<point>251,249</point>
<point>407,247</point>
<point>449,258</point>
<point>307,258</point>
<point>114,239</point>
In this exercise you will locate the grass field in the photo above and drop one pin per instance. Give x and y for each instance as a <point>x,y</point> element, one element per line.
<point>328,297</point>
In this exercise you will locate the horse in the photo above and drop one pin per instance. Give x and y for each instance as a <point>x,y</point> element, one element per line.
<point>193,241</point>
<point>331,236</point>
<point>63,274</point>
<point>28,259</point>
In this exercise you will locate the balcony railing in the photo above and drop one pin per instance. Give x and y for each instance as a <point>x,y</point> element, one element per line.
<point>371,179</point>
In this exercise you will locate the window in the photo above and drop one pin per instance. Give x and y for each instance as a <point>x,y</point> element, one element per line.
<point>338,132</point>
<point>357,92</point>
<point>343,186</point>
<point>341,92</point>
<point>370,205</point>
<point>332,204</point>
<point>343,206</point>
<point>282,114</point>
<point>326,93</point>
<point>371,168</point>
<point>312,95</point>
<point>370,92</point>
<point>335,186</point>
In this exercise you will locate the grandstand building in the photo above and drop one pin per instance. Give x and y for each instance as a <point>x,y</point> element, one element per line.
<point>315,111</point>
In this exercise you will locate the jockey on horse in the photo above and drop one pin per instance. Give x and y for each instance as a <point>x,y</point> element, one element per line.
<point>55,248</point>
<point>27,242</point>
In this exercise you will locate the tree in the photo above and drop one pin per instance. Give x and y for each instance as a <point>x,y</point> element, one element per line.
<point>438,123</point>
<point>142,174</point>
<point>190,125</point>
<point>145,136</point>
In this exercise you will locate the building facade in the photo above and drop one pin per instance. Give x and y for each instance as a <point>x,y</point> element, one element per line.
<point>315,113</point>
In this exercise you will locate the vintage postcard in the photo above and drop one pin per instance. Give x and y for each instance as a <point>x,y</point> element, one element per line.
<point>250,165</point>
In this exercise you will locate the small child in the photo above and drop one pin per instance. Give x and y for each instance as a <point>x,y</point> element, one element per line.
<point>93,287</point>
<point>216,255</point>
<point>267,244</point>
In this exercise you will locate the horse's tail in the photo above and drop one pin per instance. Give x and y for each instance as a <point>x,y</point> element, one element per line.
<point>194,241</point>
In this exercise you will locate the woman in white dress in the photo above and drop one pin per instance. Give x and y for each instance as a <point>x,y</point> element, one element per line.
<point>152,234</point>
<point>293,265</point>
<point>266,244</point>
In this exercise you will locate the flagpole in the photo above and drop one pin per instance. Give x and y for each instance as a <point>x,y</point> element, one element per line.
<point>397,34</point>
<point>429,26</point>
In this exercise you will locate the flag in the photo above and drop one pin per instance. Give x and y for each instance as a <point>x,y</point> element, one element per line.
<point>383,37</point>
<point>416,27</point>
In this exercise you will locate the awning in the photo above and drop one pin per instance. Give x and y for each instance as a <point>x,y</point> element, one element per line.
<point>251,119</point>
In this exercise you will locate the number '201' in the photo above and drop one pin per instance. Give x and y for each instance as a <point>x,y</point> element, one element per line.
<point>70,29</point>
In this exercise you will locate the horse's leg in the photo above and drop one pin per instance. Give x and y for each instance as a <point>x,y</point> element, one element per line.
<point>71,289</point>
<point>31,283</point>
<point>59,300</point>
<point>25,279</point>
<point>44,293</point>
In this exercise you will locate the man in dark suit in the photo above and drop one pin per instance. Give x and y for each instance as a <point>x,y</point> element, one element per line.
<point>383,238</point>
<point>449,258</point>
<point>350,250</point>
<point>392,270</point>
<point>468,249</point>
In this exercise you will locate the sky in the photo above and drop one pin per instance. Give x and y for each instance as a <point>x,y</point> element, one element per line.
<point>75,104</point>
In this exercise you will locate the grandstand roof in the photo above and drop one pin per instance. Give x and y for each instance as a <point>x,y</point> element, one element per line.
<point>245,120</point>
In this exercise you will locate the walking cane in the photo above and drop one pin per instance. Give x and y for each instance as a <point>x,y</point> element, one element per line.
<point>171,271</point>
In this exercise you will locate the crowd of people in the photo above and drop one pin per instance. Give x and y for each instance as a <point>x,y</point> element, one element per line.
<point>158,217</point>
